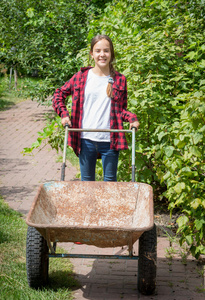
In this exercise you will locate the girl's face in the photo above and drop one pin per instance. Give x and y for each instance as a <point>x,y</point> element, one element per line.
<point>101,54</point>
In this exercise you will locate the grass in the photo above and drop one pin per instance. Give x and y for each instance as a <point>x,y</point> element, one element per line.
<point>13,278</point>
<point>10,96</point>
<point>71,157</point>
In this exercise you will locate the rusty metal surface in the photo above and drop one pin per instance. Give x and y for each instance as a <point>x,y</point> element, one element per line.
<point>104,214</point>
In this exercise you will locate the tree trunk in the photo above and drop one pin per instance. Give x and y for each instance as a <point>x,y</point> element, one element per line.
<point>15,78</point>
<point>10,78</point>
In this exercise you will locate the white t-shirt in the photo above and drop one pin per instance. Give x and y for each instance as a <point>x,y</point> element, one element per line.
<point>96,108</point>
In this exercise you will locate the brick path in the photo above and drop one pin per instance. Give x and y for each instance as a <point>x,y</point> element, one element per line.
<point>20,177</point>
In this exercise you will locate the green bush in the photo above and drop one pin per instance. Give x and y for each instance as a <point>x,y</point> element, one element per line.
<point>160,48</point>
<point>180,164</point>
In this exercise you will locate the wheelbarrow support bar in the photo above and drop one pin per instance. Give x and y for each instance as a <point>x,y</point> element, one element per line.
<point>93,256</point>
<point>67,128</point>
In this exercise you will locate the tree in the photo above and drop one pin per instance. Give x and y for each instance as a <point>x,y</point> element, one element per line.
<point>43,38</point>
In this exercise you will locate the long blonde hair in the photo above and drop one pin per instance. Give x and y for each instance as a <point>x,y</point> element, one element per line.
<point>96,39</point>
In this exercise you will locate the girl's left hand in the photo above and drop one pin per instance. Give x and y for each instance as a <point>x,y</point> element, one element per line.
<point>135,124</point>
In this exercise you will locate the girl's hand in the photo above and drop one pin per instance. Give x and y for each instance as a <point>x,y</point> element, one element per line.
<point>135,124</point>
<point>65,121</point>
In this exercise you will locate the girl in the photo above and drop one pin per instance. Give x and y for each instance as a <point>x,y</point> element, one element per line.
<point>99,101</point>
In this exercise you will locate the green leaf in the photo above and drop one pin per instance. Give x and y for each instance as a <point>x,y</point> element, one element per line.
<point>35,144</point>
<point>126,72</point>
<point>195,151</point>
<point>176,141</point>
<point>198,137</point>
<point>179,187</point>
<point>186,171</point>
<point>180,200</point>
<point>193,250</point>
<point>139,164</point>
<point>179,163</point>
<point>202,82</point>
<point>202,64</point>
<point>183,220</point>
<point>27,150</point>
<point>195,203</point>
<point>189,239</point>
<point>177,78</point>
<point>166,176</point>
<point>30,12</point>
<point>161,135</point>
<point>191,55</point>
<point>199,223</point>
<point>158,154</point>
<point>181,144</point>
<point>169,151</point>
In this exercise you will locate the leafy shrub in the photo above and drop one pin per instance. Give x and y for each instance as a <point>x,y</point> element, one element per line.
<point>180,164</point>
<point>160,48</point>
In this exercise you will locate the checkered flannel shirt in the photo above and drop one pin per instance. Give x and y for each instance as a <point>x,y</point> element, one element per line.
<point>118,113</point>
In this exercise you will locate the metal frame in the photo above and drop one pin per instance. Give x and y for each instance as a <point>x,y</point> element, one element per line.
<point>96,256</point>
<point>67,128</point>
<point>93,256</point>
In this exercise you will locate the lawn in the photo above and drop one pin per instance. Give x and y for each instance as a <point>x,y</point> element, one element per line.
<point>13,278</point>
<point>9,95</point>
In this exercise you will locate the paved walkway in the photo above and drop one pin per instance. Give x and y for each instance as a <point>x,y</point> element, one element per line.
<point>20,176</point>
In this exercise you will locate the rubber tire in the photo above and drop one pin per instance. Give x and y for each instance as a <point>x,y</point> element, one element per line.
<point>37,260</point>
<point>147,263</point>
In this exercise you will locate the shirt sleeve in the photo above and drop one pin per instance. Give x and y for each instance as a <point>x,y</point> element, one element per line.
<point>59,98</point>
<point>127,116</point>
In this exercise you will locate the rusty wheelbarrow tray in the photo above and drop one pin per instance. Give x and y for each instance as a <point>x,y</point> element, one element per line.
<point>103,214</point>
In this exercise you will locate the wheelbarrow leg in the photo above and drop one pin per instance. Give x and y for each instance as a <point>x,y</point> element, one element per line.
<point>147,263</point>
<point>37,260</point>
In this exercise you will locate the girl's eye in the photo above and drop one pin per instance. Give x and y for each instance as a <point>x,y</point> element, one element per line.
<point>98,50</point>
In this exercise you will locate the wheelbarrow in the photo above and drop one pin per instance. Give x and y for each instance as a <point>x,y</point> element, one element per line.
<point>103,214</point>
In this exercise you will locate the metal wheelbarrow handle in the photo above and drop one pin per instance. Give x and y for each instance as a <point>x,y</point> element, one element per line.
<point>64,153</point>
<point>67,128</point>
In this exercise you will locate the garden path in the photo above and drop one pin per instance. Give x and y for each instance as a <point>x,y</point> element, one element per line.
<point>20,177</point>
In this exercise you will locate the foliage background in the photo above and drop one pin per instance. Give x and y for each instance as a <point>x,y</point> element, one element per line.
<point>160,48</point>
<point>42,38</point>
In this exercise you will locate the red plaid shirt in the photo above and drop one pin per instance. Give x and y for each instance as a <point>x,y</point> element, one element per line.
<point>118,113</point>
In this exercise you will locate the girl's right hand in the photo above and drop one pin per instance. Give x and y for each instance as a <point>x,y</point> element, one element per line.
<point>65,121</point>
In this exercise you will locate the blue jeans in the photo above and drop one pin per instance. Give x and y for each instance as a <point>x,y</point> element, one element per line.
<point>88,157</point>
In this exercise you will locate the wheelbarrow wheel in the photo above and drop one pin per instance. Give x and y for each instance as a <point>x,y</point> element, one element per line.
<point>37,260</point>
<point>147,263</point>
